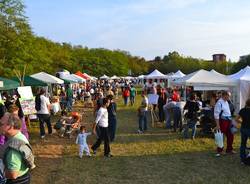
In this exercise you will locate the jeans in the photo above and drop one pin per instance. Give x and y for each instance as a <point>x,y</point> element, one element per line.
<point>143,121</point>
<point>177,118</point>
<point>245,134</point>
<point>168,118</point>
<point>161,113</point>
<point>104,136</point>
<point>112,128</point>
<point>132,100</point>
<point>190,124</point>
<point>44,118</point>
<point>125,100</point>
<point>69,104</point>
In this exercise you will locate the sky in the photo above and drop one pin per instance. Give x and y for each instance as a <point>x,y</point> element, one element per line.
<point>147,28</point>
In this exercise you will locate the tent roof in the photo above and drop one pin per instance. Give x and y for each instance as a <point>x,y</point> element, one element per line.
<point>45,77</point>
<point>68,81</point>
<point>141,76</point>
<point>177,74</point>
<point>8,84</point>
<point>69,78</point>
<point>128,77</point>
<point>243,74</point>
<point>204,78</point>
<point>215,72</point>
<point>80,79</point>
<point>30,81</point>
<point>155,75</point>
<point>87,76</point>
<point>80,74</point>
<point>114,77</point>
<point>104,77</point>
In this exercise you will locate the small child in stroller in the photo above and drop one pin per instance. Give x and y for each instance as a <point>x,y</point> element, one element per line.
<point>68,124</point>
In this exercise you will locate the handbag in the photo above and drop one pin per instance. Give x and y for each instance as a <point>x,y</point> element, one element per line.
<point>218,137</point>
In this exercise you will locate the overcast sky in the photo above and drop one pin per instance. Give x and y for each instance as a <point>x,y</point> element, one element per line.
<point>147,28</point>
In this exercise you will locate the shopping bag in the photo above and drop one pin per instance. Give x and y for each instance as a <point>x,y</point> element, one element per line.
<point>218,137</point>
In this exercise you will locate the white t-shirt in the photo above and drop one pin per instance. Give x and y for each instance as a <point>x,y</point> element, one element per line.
<point>44,105</point>
<point>102,117</point>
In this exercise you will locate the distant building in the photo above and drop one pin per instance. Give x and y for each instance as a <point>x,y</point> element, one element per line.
<point>242,58</point>
<point>219,57</point>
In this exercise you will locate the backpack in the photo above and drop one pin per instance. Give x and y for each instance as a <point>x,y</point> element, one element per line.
<point>22,147</point>
<point>38,103</point>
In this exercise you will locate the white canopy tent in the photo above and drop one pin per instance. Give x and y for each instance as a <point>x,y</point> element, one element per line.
<point>45,77</point>
<point>155,75</point>
<point>94,78</point>
<point>205,80</point>
<point>177,75</point>
<point>215,72</point>
<point>243,90</point>
<point>114,77</point>
<point>128,78</point>
<point>69,77</point>
<point>173,76</point>
<point>141,77</point>
<point>104,77</point>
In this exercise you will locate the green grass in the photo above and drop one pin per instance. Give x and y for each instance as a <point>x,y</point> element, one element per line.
<point>158,156</point>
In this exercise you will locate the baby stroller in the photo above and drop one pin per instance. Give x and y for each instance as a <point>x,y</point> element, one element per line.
<point>67,126</point>
<point>207,122</point>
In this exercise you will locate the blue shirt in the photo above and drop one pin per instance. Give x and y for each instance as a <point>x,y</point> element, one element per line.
<point>82,138</point>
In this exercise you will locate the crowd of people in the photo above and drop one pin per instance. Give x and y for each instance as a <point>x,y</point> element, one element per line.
<point>176,114</point>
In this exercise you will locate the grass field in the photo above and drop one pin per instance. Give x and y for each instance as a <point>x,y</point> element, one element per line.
<point>157,157</point>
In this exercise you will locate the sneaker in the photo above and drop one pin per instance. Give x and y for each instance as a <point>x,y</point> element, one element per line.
<point>220,154</point>
<point>139,131</point>
<point>217,155</point>
<point>42,136</point>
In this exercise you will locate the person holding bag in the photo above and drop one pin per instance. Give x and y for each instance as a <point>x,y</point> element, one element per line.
<point>223,118</point>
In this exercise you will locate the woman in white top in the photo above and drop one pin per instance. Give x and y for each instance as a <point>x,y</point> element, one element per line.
<point>44,113</point>
<point>102,122</point>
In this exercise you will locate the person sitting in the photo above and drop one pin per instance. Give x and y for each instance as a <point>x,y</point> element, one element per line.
<point>67,123</point>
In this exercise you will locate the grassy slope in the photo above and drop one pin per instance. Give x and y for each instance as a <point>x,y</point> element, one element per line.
<point>157,156</point>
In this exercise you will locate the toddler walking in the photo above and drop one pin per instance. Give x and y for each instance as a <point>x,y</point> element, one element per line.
<point>81,140</point>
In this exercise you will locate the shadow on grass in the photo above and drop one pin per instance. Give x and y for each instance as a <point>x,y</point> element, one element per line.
<point>192,167</point>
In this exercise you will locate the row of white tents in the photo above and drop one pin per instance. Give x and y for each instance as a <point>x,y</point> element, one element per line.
<point>202,80</point>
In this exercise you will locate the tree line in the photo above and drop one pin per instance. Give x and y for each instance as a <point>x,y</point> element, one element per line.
<point>20,47</point>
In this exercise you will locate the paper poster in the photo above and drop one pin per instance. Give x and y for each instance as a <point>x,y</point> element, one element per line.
<point>28,106</point>
<point>153,98</point>
<point>25,92</point>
